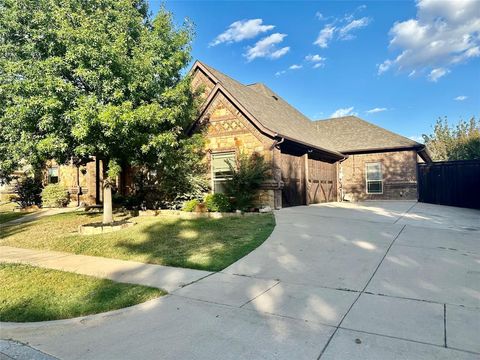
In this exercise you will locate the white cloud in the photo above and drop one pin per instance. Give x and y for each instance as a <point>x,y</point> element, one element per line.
<point>241,30</point>
<point>343,112</point>
<point>280,52</point>
<point>317,60</point>
<point>384,66</point>
<point>278,73</point>
<point>267,48</point>
<point>376,110</point>
<point>325,36</point>
<point>314,58</point>
<point>319,15</point>
<point>461,98</point>
<point>344,33</point>
<point>444,33</point>
<point>437,73</point>
<point>295,67</point>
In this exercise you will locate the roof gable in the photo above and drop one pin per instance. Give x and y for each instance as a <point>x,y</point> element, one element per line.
<point>271,111</point>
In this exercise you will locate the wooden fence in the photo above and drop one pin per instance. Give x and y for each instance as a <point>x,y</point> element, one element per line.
<point>453,183</point>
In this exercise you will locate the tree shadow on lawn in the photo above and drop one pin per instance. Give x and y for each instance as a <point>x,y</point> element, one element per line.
<point>8,230</point>
<point>36,294</point>
<point>205,244</point>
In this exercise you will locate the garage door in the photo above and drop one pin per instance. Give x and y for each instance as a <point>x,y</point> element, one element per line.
<point>322,182</point>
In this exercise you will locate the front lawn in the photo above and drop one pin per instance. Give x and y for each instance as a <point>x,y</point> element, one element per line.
<point>207,244</point>
<point>34,294</point>
<point>7,214</point>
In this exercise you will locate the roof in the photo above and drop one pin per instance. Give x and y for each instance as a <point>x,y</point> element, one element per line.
<point>338,136</point>
<point>353,134</point>
<point>272,112</point>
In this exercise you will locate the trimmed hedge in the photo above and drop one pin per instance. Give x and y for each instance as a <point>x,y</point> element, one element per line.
<point>218,203</point>
<point>190,205</point>
<point>55,195</point>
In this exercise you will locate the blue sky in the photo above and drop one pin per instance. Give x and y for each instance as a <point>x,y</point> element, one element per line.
<point>398,64</point>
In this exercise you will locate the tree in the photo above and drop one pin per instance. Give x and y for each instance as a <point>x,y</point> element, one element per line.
<point>461,142</point>
<point>91,78</point>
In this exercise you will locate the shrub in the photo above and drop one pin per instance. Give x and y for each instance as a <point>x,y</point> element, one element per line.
<point>55,195</point>
<point>28,192</point>
<point>131,202</point>
<point>218,203</point>
<point>248,174</point>
<point>190,205</point>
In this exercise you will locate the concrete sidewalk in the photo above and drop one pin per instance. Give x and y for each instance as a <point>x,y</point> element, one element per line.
<point>164,277</point>
<point>39,214</point>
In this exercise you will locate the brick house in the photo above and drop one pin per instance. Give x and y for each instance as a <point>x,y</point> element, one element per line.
<point>311,161</point>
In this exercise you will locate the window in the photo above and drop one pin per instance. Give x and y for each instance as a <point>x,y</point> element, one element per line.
<point>221,170</point>
<point>374,178</point>
<point>53,175</point>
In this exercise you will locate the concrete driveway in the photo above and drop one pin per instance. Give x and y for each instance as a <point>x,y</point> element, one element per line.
<point>377,280</point>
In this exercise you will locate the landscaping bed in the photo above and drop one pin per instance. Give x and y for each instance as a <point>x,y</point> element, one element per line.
<point>34,294</point>
<point>203,243</point>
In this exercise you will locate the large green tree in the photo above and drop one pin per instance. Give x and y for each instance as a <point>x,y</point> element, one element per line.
<point>459,142</point>
<point>90,78</point>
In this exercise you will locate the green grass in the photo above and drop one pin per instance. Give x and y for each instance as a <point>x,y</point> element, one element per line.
<point>34,294</point>
<point>208,244</point>
<point>7,214</point>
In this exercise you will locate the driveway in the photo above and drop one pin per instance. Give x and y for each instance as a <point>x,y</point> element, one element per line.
<point>375,280</point>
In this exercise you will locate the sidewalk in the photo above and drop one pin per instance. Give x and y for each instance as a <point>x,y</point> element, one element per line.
<point>164,277</point>
<point>40,214</point>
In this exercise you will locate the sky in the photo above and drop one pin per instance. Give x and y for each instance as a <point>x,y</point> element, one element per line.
<point>398,64</point>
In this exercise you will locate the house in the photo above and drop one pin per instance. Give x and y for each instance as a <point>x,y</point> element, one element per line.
<point>311,161</point>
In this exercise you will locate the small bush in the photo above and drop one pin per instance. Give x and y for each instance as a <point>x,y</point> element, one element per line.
<point>55,195</point>
<point>248,174</point>
<point>131,202</point>
<point>28,192</point>
<point>190,205</point>
<point>218,203</point>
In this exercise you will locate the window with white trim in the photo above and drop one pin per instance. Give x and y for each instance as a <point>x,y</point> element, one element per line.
<point>374,178</point>
<point>53,175</point>
<point>221,171</point>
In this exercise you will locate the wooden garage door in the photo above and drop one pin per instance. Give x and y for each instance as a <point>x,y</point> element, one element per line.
<point>322,182</point>
<point>293,176</point>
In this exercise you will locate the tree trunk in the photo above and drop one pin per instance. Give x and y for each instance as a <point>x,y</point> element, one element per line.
<point>107,202</point>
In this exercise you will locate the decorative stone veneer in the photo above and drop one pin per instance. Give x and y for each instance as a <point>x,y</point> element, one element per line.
<point>67,177</point>
<point>227,129</point>
<point>399,176</point>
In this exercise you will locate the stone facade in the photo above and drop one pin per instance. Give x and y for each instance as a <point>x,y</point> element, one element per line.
<point>399,171</point>
<point>67,177</point>
<point>228,130</point>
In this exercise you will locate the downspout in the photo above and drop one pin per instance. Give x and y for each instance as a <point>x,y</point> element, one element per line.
<point>340,177</point>
<point>278,181</point>
<point>275,144</point>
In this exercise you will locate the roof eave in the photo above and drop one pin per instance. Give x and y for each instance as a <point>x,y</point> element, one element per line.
<point>333,153</point>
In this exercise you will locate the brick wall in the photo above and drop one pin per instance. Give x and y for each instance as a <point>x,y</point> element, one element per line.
<point>399,176</point>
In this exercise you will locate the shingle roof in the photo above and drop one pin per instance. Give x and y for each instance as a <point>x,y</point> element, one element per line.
<point>273,112</point>
<point>352,134</point>
<point>339,135</point>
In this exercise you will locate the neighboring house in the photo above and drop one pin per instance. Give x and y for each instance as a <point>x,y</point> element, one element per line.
<point>311,161</point>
